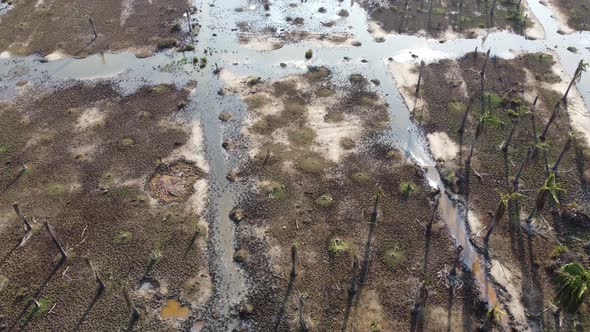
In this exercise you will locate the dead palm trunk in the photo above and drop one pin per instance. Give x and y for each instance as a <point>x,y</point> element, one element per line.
<point>51,232</point>
<point>101,285</point>
<point>429,16</point>
<point>554,115</point>
<point>420,299</point>
<point>135,314</point>
<point>478,132</point>
<point>302,322</point>
<point>22,217</point>
<point>507,142</point>
<point>500,209</point>
<point>492,13</point>
<point>353,282</point>
<point>94,34</point>
<point>460,15</point>
<point>417,91</point>
<point>464,121</point>
<point>577,75</point>
<point>453,272</point>
<point>522,167</point>
<point>294,260</point>
<point>533,121</point>
<point>566,147</point>
<point>482,74</point>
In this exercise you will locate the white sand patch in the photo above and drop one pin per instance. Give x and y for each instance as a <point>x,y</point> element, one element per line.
<point>512,282</point>
<point>231,80</point>
<point>406,78</point>
<point>560,17</point>
<point>474,222</point>
<point>266,44</point>
<point>5,55</point>
<point>56,55</point>
<point>376,30</point>
<point>329,135</point>
<point>193,149</point>
<point>442,146</point>
<point>126,10</point>
<point>197,201</point>
<point>536,30</point>
<point>90,117</point>
<point>39,3</point>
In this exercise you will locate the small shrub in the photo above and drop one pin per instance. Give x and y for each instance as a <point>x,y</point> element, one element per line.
<point>203,62</point>
<point>407,188</point>
<point>558,250</point>
<point>337,246</point>
<point>308,54</point>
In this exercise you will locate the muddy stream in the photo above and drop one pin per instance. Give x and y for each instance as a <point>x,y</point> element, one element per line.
<point>217,19</point>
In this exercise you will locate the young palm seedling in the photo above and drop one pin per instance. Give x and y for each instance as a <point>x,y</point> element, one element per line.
<point>574,284</point>
<point>550,189</point>
<point>500,210</point>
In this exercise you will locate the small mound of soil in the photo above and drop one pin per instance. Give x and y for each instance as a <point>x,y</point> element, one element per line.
<point>174,182</point>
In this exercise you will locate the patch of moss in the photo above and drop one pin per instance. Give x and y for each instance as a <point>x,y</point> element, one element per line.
<point>456,107</point>
<point>558,250</point>
<point>393,257</point>
<point>333,117</point>
<point>337,246</point>
<point>325,200</point>
<point>360,177</point>
<point>302,136</point>
<point>295,107</point>
<point>256,101</point>
<point>56,189</point>
<point>324,92</point>
<point>127,142</point>
<point>347,143</point>
<point>240,256</point>
<point>356,78</point>
<point>123,237</point>
<point>438,11</point>
<point>312,164</point>
<point>317,73</point>
<point>277,190</point>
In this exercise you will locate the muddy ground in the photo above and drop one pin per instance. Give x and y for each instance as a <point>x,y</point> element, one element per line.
<point>511,86</point>
<point>317,159</point>
<point>42,27</point>
<point>112,175</point>
<point>443,19</point>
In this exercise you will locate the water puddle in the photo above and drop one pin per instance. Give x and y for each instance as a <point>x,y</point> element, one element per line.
<point>173,309</point>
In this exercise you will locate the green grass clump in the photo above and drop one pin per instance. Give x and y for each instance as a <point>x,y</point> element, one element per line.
<point>203,62</point>
<point>56,189</point>
<point>394,257</point>
<point>308,54</point>
<point>337,246</point>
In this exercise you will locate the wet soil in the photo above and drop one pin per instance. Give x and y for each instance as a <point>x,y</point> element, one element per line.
<point>89,151</point>
<point>42,27</point>
<point>323,204</point>
<point>510,86</point>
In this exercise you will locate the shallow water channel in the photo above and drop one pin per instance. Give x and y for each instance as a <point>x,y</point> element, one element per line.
<point>217,19</point>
